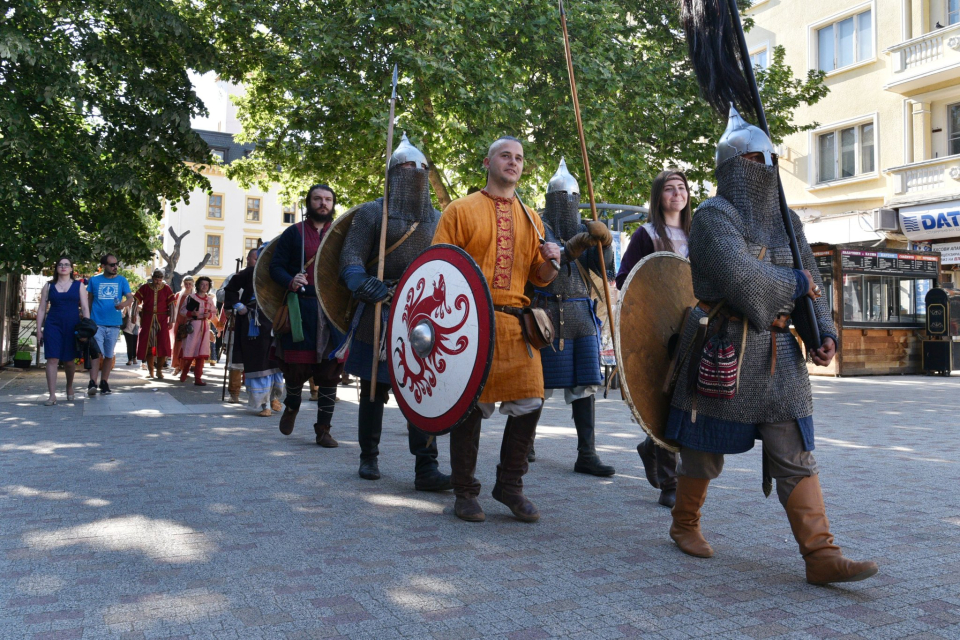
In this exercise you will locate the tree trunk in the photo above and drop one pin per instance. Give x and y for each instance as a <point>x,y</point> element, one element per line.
<point>436,180</point>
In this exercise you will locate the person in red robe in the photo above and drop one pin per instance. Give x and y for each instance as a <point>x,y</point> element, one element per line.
<point>156,300</point>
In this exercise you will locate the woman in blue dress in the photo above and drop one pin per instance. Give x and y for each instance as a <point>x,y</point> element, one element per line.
<point>67,302</point>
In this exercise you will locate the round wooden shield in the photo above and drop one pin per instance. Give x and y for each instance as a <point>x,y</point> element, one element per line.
<point>653,300</point>
<point>440,338</point>
<point>336,300</point>
<point>269,294</point>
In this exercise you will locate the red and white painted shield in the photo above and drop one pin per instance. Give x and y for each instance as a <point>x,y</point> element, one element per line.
<point>440,338</point>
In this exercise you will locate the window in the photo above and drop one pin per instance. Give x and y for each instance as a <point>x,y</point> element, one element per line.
<point>758,59</point>
<point>249,243</point>
<point>878,300</point>
<point>289,214</point>
<point>213,248</point>
<point>953,127</point>
<point>953,11</point>
<point>253,209</point>
<point>218,154</point>
<point>215,206</point>
<point>845,42</point>
<point>846,153</point>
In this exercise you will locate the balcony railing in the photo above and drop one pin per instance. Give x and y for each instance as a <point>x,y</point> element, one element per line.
<point>940,174</point>
<point>921,62</point>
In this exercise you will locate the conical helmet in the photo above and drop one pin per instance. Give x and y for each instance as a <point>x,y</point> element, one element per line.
<point>740,138</point>
<point>406,152</point>
<point>563,180</point>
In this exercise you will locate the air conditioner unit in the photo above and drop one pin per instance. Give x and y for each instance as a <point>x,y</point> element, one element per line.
<point>885,220</point>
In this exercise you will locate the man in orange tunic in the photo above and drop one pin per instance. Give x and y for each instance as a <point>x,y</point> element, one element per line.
<point>491,226</point>
<point>156,299</point>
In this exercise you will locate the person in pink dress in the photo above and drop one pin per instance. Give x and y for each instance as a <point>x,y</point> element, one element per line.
<point>199,308</point>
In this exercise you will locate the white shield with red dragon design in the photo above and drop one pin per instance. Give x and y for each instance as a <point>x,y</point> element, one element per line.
<point>440,338</point>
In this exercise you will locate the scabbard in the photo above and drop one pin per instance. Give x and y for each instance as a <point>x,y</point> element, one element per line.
<point>765,464</point>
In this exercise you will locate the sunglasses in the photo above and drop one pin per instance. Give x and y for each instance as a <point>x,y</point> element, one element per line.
<point>112,264</point>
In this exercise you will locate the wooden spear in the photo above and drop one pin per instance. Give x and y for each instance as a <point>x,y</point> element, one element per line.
<point>586,168</point>
<point>383,242</point>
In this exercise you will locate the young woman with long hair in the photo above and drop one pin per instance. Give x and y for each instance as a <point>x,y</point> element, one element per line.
<point>198,310</point>
<point>667,229</point>
<point>55,328</point>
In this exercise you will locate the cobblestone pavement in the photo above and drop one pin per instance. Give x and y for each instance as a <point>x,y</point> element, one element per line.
<point>160,512</point>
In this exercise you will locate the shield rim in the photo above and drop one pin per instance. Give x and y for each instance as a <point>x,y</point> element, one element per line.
<point>466,403</point>
<point>345,218</point>
<point>265,257</point>
<point>669,445</point>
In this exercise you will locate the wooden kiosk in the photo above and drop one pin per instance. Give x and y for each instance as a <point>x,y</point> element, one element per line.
<point>878,300</point>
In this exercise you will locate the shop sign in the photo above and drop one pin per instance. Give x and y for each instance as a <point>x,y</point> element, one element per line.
<point>949,252</point>
<point>880,262</point>
<point>927,222</point>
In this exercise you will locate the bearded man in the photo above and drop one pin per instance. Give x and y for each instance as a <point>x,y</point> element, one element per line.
<point>156,300</point>
<point>411,222</point>
<point>747,287</point>
<point>306,353</point>
<point>250,358</point>
<point>503,237</point>
<point>574,362</point>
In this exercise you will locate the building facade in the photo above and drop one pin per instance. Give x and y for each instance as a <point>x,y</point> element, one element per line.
<point>883,163</point>
<point>228,222</point>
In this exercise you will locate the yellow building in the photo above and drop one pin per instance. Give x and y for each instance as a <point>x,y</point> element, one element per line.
<point>883,164</point>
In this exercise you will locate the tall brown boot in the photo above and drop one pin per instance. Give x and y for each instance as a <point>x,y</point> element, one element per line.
<point>685,530</point>
<point>824,560</point>
<point>150,373</point>
<point>464,447</point>
<point>518,438</point>
<point>234,383</point>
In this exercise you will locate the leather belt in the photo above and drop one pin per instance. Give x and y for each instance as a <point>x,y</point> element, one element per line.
<point>706,307</point>
<point>513,311</point>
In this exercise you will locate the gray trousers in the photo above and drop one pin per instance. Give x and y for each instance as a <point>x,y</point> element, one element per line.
<point>783,445</point>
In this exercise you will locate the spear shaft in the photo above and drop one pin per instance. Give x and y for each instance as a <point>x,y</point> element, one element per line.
<point>383,242</point>
<point>586,167</point>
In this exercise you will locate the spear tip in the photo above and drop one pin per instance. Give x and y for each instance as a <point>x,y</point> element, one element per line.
<point>395,74</point>
<point>561,7</point>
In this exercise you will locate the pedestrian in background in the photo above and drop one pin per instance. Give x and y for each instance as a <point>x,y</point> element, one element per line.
<point>667,229</point>
<point>131,327</point>
<point>180,320</point>
<point>199,309</point>
<point>157,300</point>
<point>107,291</point>
<point>55,329</point>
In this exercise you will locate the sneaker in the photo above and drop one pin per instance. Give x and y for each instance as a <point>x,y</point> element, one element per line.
<point>104,388</point>
<point>92,388</point>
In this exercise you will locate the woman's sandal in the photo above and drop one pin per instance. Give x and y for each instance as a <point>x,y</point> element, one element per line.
<point>49,403</point>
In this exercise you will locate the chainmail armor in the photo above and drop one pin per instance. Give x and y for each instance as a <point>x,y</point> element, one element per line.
<point>409,202</point>
<point>562,215</point>
<point>724,244</point>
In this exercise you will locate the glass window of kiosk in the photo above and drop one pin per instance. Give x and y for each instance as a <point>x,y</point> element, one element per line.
<point>880,300</point>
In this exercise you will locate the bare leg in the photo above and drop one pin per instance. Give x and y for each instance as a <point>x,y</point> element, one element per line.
<point>108,367</point>
<point>52,377</point>
<point>70,368</point>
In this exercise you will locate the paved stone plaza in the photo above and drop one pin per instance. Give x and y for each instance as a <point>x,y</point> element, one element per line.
<point>160,512</point>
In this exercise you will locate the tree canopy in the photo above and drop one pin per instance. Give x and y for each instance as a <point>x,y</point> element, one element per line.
<point>95,109</point>
<point>317,78</point>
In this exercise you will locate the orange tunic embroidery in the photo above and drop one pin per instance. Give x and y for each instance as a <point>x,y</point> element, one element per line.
<point>503,267</point>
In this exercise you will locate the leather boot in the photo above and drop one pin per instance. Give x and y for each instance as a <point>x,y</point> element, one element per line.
<point>161,365</point>
<point>518,437</point>
<point>233,385</point>
<point>150,373</point>
<point>648,457</point>
<point>824,560</point>
<point>532,456</point>
<point>290,411</point>
<point>369,429</point>
<point>464,447</point>
<point>584,419</point>
<point>324,439</point>
<point>685,530</point>
<point>424,448</point>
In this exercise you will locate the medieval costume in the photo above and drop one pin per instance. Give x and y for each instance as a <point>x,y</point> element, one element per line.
<point>500,236</point>
<point>744,280</point>
<point>179,319</point>
<point>305,351</point>
<point>574,362</point>
<point>198,310</point>
<point>156,303</point>
<point>250,357</point>
<point>411,222</point>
